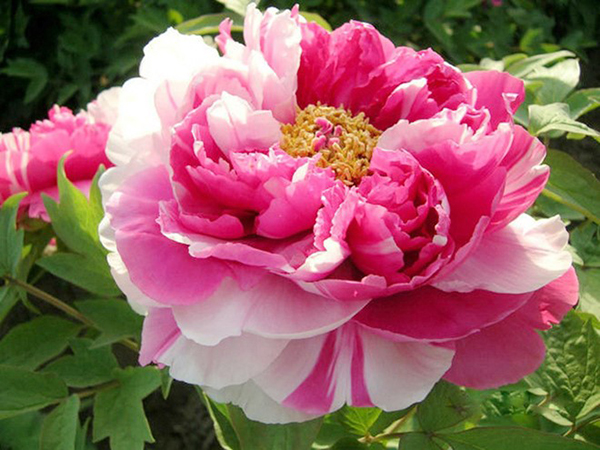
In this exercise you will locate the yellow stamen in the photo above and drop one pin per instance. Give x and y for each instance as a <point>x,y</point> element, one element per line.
<point>344,141</point>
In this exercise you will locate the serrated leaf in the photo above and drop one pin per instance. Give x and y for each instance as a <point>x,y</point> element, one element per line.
<point>21,432</point>
<point>87,273</point>
<point>445,406</point>
<point>523,67</point>
<point>11,239</point>
<point>572,184</point>
<point>571,371</point>
<point>209,24</point>
<point>589,291</point>
<point>59,429</point>
<point>586,239</point>
<point>75,219</point>
<point>557,81</point>
<point>86,367</point>
<point>22,390</point>
<point>31,344</point>
<point>503,438</point>
<point>417,441</point>
<point>583,101</point>
<point>114,318</point>
<point>259,436</point>
<point>555,117</point>
<point>119,413</point>
<point>357,421</point>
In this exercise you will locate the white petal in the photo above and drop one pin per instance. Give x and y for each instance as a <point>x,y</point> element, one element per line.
<point>522,257</point>
<point>234,361</point>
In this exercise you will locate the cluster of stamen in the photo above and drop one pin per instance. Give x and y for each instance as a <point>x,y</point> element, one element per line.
<point>344,141</point>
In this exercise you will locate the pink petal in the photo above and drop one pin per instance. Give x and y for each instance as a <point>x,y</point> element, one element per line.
<point>500,354</point>
<point>525,177</point>
<point>134,210</point>
<point>499,92</point>
<point>522,257</point>
<point>353,366</point>
<point>235,126</point>
<point>432,315</point>
<point>273,308</point>
<point>158,334</point>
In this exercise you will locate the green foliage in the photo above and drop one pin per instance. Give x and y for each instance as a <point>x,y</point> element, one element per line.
<point>86,366</point>
<point>22,390</point>
<point>446,406</point>
<point>75,221</point>
<point>33,343</point>
<point>114,318</point>
<point>118,411</point>
<point>21,432</point>
<point>11,239</point>
<point>59,430</point>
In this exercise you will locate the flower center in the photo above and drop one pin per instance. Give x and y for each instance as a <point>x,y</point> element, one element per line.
<point>344,141</point>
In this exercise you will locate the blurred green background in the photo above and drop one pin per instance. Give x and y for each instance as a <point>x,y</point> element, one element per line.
<point>66,51</point>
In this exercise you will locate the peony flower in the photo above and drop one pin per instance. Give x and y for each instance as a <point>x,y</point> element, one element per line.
<point>29,159</point>
<point>313,219</point>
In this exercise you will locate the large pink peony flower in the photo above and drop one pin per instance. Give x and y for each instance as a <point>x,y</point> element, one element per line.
<point>314,219</point>
<point>29,159</point>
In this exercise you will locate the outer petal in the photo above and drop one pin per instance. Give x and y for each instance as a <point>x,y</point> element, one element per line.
<point>431,315</point>
<point>351,365</point>
<point>134,210</point>
<point>501,354</point>
<point>522,257</point>
<point>256,404</point>
<point>273,308</point>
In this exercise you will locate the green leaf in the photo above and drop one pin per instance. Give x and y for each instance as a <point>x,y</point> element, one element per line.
<point>21,432</point>
<point>86,367</point>
<point>549,207</point>
<point>22,390</point>
<point>219,414</point>
<point>31,344</point>
<point>237,6</point>
<point>119,413</point>
<point>503,438</point>
<point>59,429</point>
<point>357,421</point>
<point>523,67</point>
<point>75,221</point>
<point>589,291</point>
<point>317,18</point>
<point>349,443</point>
<point>555,117</point>
<point>209,24</point>
<point>11,239</point>
<point>259,436</point>
<point>571,371</point>
<point>114,318</point>
<point>81,271</point>
<point>586,239</point>
<point>583,101</point>
<point>30,69</point>
<point>417,441</point>
<point>573,185</point>
<point>445,406</point>
<point>557,81</point>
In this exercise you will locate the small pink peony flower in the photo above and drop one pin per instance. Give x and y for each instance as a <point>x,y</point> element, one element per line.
<point>29,159</point>
<point>316,219</point>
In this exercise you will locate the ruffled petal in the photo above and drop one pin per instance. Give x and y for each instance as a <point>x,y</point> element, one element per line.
<point>273,308</point>
<point>522,257</point>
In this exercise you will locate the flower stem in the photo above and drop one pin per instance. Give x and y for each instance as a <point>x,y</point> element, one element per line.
<point>59,304</point>
<point>573,206</point>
